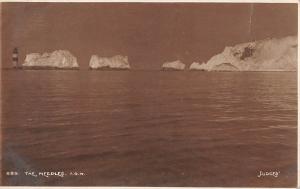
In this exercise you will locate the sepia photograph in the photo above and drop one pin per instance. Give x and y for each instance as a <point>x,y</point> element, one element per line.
<point>149,94</point>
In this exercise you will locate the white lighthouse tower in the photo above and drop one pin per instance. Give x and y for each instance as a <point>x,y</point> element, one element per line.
<point>15,58</point>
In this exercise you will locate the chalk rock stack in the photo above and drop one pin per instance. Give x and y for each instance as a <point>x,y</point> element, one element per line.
<point>117,62</point>
<point>175,65</point>
<point>59,59</point>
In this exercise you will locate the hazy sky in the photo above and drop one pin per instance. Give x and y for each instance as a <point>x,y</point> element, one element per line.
<point>149,33</point>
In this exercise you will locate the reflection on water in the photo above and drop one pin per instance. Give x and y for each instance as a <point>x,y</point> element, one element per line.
<point>150,128</point>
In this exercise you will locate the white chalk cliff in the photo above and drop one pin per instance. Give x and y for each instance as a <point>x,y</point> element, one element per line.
<point>60,59</point>
<point>175,65</point>
<point>115,62</point>
<point>264,55</point>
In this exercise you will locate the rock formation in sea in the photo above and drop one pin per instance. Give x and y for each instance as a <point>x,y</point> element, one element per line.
<point>59,59</point>
<point>264,55</point>
<point>117,62</point>
<point>196,66</point>
<point>175,65</point>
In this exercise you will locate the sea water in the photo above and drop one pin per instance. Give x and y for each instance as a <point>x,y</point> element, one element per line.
<point>149,128</point>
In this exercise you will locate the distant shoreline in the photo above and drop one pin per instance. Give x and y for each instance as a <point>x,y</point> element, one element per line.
<point>111,70</point>
<point>40,68</point>
<point>108,69</point>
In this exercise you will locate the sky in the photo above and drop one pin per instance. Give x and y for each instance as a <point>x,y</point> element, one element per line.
<point>148,33</point>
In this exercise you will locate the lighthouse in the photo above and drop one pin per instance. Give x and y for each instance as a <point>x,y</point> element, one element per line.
<point>15,58</point>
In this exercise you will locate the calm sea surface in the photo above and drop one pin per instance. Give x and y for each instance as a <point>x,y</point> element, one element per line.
<point>149,128</point>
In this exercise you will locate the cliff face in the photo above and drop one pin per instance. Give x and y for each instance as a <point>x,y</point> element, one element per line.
<point>175,65</point>
<point>264,55</point>
<point>60,59</point>
<point>115,62</point>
